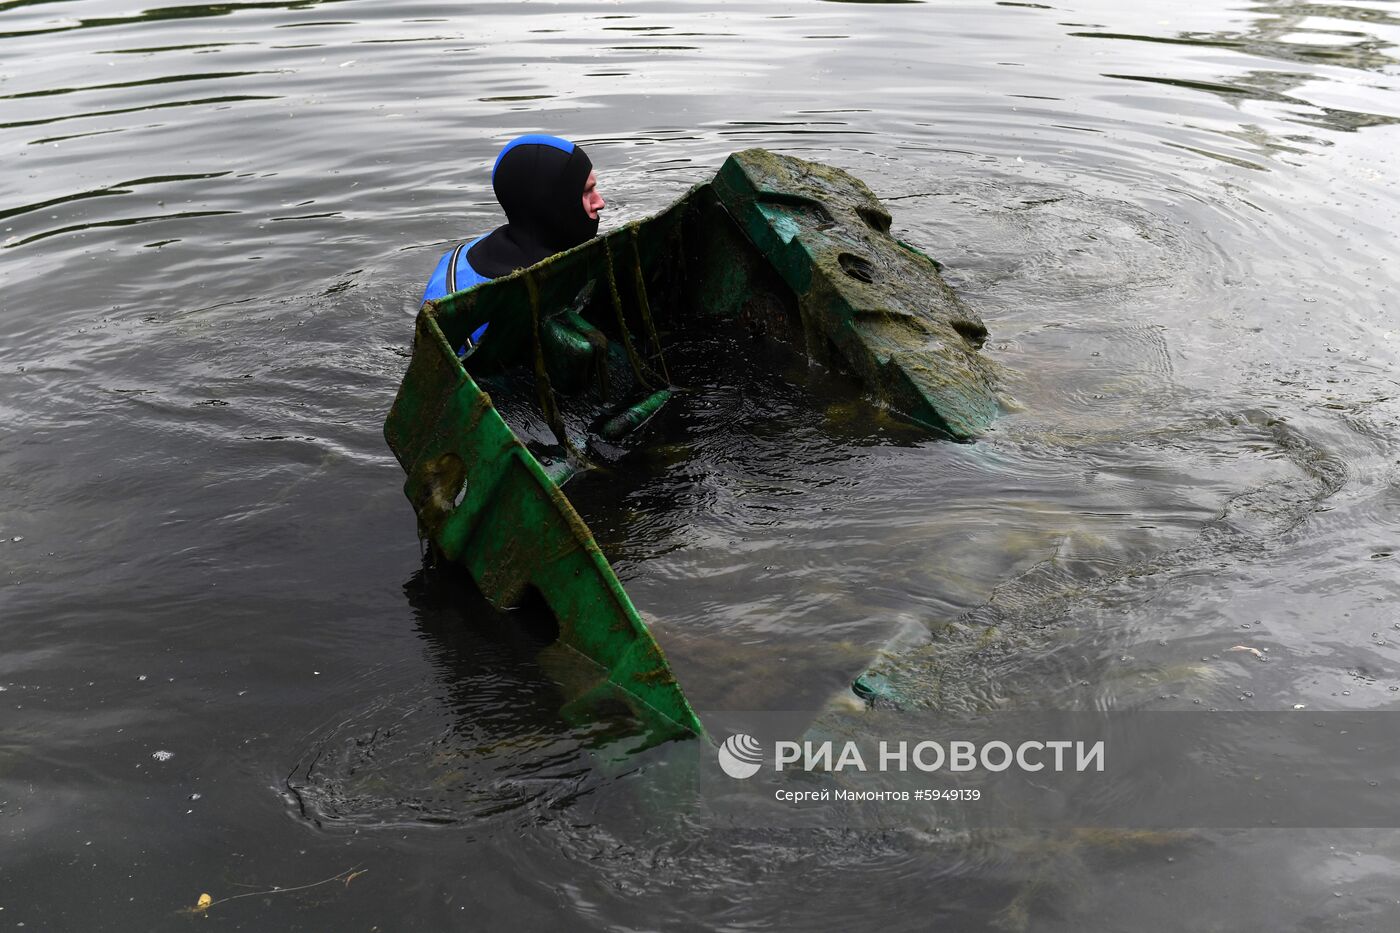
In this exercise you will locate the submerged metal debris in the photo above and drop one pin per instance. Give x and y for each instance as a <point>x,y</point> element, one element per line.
<point>786,250</point>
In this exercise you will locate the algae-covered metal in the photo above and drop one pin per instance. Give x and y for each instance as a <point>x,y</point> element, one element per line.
<point>575,358</point>
<point>887,313</point>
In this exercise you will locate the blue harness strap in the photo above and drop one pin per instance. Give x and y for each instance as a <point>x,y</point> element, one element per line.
<point>446,279</point>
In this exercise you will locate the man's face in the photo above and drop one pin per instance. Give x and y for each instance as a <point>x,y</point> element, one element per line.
<point>592,201</point>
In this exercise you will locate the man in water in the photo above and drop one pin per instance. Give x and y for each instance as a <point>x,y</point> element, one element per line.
<point>547,187</point>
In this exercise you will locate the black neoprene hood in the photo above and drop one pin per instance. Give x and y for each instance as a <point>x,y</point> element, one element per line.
<point>539,182</point>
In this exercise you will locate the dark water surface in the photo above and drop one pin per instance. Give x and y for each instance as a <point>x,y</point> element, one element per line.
<point>224,668</point>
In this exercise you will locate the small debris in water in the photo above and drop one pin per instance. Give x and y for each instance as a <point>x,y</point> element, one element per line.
<point>1299,706</point>
<point>17,538</point>
<point>162,755</point>
<point>141,677</point>
<point>1254,651</point>
<point>195,796</point>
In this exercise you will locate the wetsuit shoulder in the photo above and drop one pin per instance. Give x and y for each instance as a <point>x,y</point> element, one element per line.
<point>454,273</point>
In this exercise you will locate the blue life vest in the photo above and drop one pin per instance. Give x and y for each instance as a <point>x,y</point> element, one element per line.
<point>454,273</point>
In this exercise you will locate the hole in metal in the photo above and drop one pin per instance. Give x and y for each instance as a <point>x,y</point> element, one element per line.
<point>856,267</point>
<point>875,219</point>
<point>972,332</point>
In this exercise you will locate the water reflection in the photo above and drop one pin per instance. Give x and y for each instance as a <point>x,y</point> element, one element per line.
<point>1286,30</point>
<point>509,720</point>
<point>158,14</point>
<point>121,187</point>
<point>195,474</point>
<point>484,736</point>
<point>1273,86</point>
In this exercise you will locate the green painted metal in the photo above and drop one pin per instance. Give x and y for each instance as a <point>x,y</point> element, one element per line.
<point>881,304</point>
<point>486,503</point>
<point>489,504</point>
<point>620,425</point>
<point>778,246</point>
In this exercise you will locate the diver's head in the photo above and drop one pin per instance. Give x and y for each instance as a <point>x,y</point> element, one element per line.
<point>548,190</point>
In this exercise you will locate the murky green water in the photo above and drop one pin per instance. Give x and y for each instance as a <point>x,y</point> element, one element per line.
<point>1179,223</point>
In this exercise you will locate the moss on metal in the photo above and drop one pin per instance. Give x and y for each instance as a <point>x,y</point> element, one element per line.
<point>798,251</point>
<point>882,306</point>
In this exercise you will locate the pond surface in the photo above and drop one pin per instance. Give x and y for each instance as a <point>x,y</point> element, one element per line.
<point>225,668</point>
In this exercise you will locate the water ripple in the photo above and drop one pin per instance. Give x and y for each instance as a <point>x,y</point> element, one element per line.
<point>1177,232</point>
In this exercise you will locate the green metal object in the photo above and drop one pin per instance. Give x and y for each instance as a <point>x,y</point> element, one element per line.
<point>575,358</point>
<point>882,306</point>
<point>620,425</point>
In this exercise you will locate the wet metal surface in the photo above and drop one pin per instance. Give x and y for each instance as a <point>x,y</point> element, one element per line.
<point>224,671</point>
